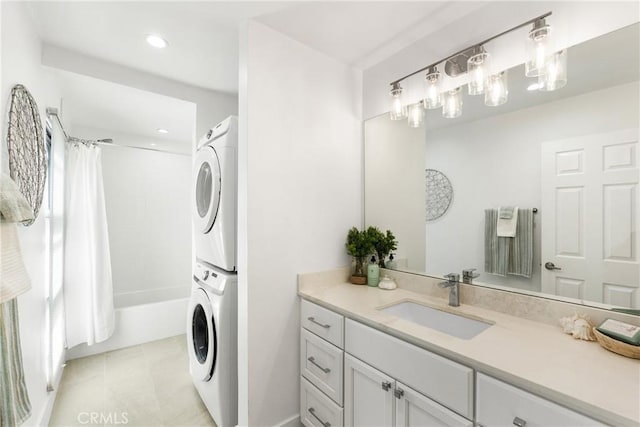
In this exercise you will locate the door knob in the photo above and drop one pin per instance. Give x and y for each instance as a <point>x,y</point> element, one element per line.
<point>551,266</point>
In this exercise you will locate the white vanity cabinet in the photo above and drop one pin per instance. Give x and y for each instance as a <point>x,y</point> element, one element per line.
<point>373,398</point>
<point>389,382</point>
<point>321,366</point>
<point>501,404</point>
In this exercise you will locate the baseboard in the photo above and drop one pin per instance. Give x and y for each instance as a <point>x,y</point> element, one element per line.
<point>293,421</point>
<point>45,415</point>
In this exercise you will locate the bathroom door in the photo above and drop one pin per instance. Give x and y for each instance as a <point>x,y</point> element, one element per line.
<point>590,218</point>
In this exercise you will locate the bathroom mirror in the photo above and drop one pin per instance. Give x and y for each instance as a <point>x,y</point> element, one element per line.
<point>571,155</point>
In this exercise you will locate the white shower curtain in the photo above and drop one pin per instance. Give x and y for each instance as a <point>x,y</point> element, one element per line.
<point>88,290</point>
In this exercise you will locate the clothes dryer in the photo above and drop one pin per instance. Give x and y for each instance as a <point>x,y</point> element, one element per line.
<point>215,188</point>
<point>212,342</point>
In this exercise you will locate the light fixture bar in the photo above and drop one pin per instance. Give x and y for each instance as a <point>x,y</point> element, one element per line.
<point>530,21</point>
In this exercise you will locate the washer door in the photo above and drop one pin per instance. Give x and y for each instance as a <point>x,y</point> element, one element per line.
<point>207,182</point>
<point>201,336</point>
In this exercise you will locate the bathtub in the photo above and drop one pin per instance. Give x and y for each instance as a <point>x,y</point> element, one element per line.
<point>142,317</point>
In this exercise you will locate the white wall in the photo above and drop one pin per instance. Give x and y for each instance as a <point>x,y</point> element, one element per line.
<point>573,22</point>
<point>21,51</point>
<point>147,197</point>
<point>300,190</point>
<point>395,184</point>
<point>212,106</point>
<point>500,165</point>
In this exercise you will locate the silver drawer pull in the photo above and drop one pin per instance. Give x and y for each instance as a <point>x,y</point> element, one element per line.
<point>398,393</point>
<point>313,320</point>
<point>313,360</point>
<point>519,422</point>
<point>324,423</point>
<point>386,385</point>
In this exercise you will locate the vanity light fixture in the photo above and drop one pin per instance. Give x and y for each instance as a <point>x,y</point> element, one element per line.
<point>497,91</point>
<point>555,74</point>
<point>156,41</point>
<point>398,107</point>
<point>416,115</point>
<point>542,61</point>
<point>452,103</point>
<point>477,67</point>
<point>433,96</point>
<point>539,48</point>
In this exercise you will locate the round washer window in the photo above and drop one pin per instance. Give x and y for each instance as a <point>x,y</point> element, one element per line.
<point>200,334</point>
<point>203,189</point>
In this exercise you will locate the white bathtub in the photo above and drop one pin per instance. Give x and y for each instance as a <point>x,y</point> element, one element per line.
<point>142,317</point>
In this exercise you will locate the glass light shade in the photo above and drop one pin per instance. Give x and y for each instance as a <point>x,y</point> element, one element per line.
<point>555,75</point>
<point>497,91</point>
<point>539,47</point>
<point>433,95</point>
<point>398,107</point>
<point>452,104</point>
<point>416,115</point>
<point>477,67</point>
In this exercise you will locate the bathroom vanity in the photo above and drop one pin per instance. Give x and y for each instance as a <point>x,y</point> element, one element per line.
<point>361,365</point>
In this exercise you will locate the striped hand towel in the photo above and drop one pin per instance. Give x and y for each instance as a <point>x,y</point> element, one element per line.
<point>509,255</point>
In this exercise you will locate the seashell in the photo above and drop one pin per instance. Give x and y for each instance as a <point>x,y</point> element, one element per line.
<point>567,323</point>
<point>582,330</point>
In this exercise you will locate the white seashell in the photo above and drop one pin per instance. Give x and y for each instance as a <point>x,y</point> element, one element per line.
<point>567,323</point>
<point>582,330</point>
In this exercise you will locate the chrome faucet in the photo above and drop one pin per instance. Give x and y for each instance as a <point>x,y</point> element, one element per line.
<point>468,275</point>
<point>454,288</point>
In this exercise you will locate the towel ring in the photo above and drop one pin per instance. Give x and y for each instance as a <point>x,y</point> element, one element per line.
<point>27,153</point>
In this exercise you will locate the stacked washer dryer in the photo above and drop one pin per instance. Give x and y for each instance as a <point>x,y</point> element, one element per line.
<point>212,314</point>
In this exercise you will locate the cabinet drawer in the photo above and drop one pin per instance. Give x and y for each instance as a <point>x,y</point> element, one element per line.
<point>447,382</point>
<point>499,404</point>
<point>322,322</point>
<point>316,409</point>
<point>321,363</point>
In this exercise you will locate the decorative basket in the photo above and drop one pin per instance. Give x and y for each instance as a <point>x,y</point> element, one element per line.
<point>616,346</point>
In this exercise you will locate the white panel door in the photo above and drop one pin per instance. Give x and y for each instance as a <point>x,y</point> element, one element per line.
<point>590,218</point>
<point>416,410</point>
<point>368,395</point>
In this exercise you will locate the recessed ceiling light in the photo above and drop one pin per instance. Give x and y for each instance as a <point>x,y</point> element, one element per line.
<point>161,130</point>
<point>153,144</point>
<point>156,41</point>
<point>534,86</point>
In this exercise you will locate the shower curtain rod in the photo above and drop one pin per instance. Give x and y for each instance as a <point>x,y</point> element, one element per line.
<point>53,112</point>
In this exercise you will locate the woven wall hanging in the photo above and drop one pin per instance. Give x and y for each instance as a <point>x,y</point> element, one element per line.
<point>439,194</point>
<point>27,153</point>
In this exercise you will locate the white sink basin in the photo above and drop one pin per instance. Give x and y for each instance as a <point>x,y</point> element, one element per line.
<point>449,323</point>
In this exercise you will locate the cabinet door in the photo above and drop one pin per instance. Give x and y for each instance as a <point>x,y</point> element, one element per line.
<point>416,410</point>
<point>368,395</point>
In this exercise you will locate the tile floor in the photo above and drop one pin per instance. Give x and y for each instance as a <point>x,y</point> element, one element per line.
<point>144,385</point>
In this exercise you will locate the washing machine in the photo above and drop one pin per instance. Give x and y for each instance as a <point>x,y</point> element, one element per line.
<point>215,188</point>
<point>212,342</point>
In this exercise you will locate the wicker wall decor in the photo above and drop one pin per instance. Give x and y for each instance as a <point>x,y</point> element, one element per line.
<point>27,152</point>
<point>439,194</point>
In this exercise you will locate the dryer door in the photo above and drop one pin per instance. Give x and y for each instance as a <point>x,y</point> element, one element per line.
<point>201,336</point>
<point>207,189</point>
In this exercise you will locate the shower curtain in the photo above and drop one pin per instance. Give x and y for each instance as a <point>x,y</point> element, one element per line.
<point>88,290</point>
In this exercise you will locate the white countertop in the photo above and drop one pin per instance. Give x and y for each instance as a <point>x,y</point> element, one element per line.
<point>534,356</point>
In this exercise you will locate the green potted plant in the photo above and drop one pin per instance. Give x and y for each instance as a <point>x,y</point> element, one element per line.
<point>359,247</point>
<point>382,243</point>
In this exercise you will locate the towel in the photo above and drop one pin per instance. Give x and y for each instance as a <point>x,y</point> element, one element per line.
<point>505,212</point>
<point>15,406</point>
<point>13,206</point>
<point>509,255</point>
<point>507,224</point>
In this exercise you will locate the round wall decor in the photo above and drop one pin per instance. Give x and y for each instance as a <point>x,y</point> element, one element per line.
<point>439,194</point>
<point>27,153</point>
